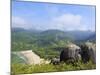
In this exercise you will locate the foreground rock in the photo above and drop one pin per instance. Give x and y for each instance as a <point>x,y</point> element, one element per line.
<point>28,56</point>
<point>88,52</point>
<point>70,54</point>
<point>55,61</point>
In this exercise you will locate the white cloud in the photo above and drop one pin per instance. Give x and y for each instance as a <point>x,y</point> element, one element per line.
<point>62,22</point>
<point>69,19</point>
<point>20,22</point>
<point>68,22</point>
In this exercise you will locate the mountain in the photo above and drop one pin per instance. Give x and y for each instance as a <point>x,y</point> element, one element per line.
<point>92,37</point>
<point>17,29</point>
<point>56,34</point>
<point>49,37</point>
<point>81,35</point>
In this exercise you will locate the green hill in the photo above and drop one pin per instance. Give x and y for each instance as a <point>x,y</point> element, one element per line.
<point>46,43</point>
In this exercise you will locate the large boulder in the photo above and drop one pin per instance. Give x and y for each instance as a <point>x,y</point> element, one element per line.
<point>28,56</point>
<point>88,52</point>
<point>70,54</point>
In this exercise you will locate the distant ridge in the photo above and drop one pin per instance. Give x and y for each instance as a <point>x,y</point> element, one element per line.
<point>54,34</point>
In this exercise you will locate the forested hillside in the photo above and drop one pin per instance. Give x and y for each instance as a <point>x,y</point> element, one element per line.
<point>46,43</point>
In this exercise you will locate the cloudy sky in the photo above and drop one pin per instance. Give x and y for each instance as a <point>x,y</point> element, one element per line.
<point>44,16</point>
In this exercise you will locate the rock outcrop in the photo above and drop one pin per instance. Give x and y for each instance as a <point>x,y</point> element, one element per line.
<point>70,53</point>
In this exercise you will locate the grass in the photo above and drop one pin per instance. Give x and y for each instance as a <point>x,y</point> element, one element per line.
<point>29,69</point>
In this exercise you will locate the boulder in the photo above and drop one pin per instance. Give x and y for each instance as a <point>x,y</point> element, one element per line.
<point>70,54</point>
<point>88,52</point>
<point>28,56</point>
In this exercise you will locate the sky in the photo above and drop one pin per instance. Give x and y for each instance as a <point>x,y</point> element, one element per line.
<point>45,16</point>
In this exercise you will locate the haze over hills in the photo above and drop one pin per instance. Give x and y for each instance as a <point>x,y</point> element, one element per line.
<point>57,34</point>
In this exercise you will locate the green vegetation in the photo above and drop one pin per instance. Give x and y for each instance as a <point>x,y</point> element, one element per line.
<point>26,69</point>
<point>47,44</point>
<point>16,59</point>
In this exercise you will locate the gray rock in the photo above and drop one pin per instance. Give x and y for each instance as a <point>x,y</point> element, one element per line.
<point>88,52</point>
<point>55,61</point>
<point>70,54</point>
